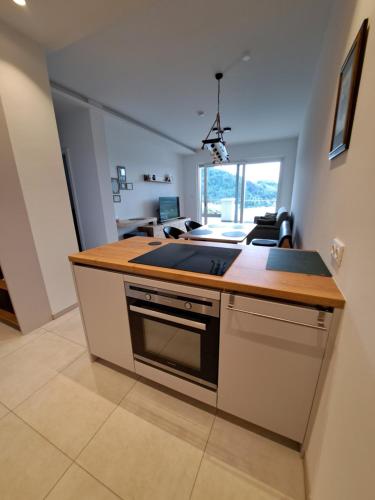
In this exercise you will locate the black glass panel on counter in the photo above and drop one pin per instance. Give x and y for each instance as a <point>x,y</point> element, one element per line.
<point>193,258</point>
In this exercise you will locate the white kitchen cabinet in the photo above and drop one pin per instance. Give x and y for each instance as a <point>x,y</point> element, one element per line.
<point>270,359</point>
<point>102,301</point>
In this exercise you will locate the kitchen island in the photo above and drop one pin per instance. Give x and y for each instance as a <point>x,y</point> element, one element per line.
<point>255,343</point>
<point>247,274</point>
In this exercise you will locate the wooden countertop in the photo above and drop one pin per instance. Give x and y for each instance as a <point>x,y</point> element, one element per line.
<point>247,274</point>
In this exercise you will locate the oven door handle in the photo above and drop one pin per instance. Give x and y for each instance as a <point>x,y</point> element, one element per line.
<point>168,317</point>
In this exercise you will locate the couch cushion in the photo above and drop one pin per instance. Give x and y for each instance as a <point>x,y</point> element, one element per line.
<point>264,243</point>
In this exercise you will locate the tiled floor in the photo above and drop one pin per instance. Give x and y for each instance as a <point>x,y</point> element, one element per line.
<point>71,429</point>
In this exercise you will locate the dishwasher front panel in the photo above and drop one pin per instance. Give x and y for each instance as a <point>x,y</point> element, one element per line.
<point>270,358</point>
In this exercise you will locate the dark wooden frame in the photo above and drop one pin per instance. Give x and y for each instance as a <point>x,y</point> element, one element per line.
<point>357,52</point>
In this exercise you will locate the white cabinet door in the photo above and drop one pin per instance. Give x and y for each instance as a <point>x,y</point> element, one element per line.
<point>103,306</point>
<point>269,368</point>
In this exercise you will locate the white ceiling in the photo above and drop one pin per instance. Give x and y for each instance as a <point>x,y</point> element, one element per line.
<point>156,61</point>
<point>55,23</point>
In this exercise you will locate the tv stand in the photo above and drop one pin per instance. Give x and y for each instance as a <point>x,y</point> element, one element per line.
<point>156,230</point>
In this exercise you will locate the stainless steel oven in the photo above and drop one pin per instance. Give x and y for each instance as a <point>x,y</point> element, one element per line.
<point>175,332</point>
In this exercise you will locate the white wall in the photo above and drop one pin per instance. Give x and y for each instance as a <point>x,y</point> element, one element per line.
<point>284,149</point>
<point>142,152</point>
<point>336,199</point>
<point>18,257</point>
<point>30,119</point>
<point>82,135</point>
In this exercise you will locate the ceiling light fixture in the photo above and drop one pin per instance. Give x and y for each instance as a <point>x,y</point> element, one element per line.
<point>22,3</point>
<point>216,145</point>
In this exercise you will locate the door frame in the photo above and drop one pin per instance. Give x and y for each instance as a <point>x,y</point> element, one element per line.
<point>75,209</point>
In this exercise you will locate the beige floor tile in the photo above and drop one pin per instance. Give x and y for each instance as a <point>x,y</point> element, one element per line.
<point>11,339</point>
<point>29,465</point>
<point>66,413</point>
<point>3,410</point>
<point>27,369</point>
<point>139,460</point>
<point>176,416</point>
<point>76,484</point>
<point>243,463</point>
<point>218,480</point>
<point>68,326</point>
<point>95,376</point>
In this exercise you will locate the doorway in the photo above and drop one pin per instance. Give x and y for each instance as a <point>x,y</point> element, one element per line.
<point>73,207</point>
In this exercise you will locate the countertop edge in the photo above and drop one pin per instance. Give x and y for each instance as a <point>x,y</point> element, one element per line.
<point>245,288</point>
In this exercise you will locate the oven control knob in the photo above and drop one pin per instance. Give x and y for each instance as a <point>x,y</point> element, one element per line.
<point>148,296</point>
<point>188,305</point>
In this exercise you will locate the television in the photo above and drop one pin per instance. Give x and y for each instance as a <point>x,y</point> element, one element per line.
<point>169,207</point>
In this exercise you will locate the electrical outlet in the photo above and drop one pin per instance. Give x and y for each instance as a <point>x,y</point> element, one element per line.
<point>337,252</point>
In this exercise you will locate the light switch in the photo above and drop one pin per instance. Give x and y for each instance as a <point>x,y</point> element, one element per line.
<point>337,251</point>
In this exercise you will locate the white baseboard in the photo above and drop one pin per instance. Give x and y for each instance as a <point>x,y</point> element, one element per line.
<point>306,479</point>
<point>64,311</point>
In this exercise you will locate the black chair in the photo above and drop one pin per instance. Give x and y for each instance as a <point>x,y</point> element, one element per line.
<point>191,224</point>
<point>172,232</point>
<point>285,238</point>
<point>134,233</point>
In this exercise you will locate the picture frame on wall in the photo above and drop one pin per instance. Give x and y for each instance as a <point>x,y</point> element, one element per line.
<point>117,198</point>
<point>347,94</point>
<point>129,186</point>
<point>121,173</point>
<point>115,185</point>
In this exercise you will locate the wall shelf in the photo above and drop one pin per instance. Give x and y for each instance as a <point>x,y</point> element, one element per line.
<point>159,180</point>
<point>9,318</point>
<point>7,314</point>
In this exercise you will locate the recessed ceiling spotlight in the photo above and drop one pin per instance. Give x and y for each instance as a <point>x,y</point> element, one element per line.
<point>246,57</point>
<point>200,113</point>
<point>22,3</point>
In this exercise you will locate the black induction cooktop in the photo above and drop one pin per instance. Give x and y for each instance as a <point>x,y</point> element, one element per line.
<point>193,258</point>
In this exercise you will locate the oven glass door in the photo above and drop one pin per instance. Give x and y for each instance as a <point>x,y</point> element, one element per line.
<point>182,343</point>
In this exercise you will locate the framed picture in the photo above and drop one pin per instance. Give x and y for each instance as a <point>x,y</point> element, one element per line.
<point>129,186</point>
<point>122,185</point>
<point>115,185</point>
<point>350,77</point>
<point>121,174</point>
<point>117,198</point>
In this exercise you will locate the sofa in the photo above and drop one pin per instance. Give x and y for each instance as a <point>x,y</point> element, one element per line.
<point>268,226</point>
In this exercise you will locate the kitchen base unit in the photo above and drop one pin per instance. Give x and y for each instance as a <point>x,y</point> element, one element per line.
<point>104,314</point>
<point>254,343</point>
<point>271,357</point>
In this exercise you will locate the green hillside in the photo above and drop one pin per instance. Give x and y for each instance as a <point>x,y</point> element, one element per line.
<point>222,184</point>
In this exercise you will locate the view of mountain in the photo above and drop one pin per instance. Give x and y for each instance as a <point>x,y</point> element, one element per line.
<point>222,184</point>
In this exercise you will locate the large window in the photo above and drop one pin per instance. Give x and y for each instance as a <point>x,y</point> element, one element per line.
<point>238,192</point>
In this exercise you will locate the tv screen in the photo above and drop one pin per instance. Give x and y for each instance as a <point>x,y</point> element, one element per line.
<point>169,207</point>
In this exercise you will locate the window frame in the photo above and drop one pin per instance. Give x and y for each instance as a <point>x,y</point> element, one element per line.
<point>241,165</point>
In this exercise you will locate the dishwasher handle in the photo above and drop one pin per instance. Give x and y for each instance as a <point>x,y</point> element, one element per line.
<point>275,318</point>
